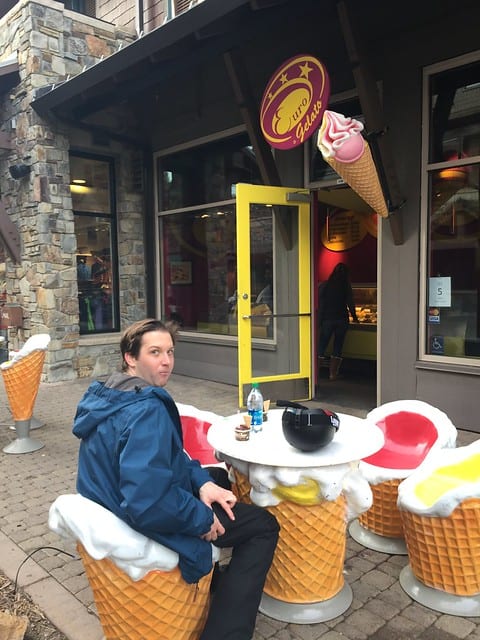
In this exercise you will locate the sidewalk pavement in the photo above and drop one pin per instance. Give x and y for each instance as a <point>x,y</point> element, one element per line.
<point>381,610</point>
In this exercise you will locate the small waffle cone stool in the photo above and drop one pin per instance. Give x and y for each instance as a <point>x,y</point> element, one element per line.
<point>383,517</point>
<point>22,381</point>
<point>440,510</point>
<point>308,563</point>
<point>159,606</point>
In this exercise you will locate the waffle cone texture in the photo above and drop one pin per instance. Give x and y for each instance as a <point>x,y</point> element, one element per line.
<point>383,517</point>
<point>308,563</point>
<point>161,606</point>
<point>22,381</point>
<point>444,553</point>
<point>362,177</point>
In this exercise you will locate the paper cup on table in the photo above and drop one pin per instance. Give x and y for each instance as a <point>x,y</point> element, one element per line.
<point>160,605</point>
<point>242,432</point>
<point>266,407</point>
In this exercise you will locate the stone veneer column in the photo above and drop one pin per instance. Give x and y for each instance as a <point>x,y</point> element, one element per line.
<point>52,44</point>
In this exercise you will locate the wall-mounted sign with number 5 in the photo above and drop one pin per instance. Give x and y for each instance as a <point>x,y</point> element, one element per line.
<point>439,292</point>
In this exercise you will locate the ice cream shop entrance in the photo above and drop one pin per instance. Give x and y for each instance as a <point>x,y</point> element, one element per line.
<point>346,232</point>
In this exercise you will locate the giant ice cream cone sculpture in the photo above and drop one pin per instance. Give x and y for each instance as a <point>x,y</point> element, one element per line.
<point>342,145</point>
<point>22,382</point>
<point>21,376</point>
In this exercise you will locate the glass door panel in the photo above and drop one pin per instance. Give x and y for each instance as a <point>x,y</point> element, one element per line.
<point>274,320</point>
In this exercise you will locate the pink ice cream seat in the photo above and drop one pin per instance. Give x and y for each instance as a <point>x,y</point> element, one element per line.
<point>413,431</point>
<point>408,439</point>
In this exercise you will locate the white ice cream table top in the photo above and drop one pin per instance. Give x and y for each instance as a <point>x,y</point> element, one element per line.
<point>355,439</point>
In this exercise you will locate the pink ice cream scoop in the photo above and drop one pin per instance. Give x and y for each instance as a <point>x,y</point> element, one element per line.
<point>340,137</point>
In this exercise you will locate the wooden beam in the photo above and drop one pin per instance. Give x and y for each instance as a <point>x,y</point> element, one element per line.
<point>372,109</point>
<point>263,152</point>
<point>250,116</point>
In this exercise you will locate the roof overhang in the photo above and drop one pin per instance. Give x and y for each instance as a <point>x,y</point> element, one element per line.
<point>191,38</point>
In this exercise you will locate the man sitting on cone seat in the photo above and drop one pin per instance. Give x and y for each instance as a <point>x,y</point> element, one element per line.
<point>132,462</point>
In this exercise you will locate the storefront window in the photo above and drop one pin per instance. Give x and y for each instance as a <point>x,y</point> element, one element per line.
<point>94,217</point>
<point>198,237</point>
<point>452,292</point>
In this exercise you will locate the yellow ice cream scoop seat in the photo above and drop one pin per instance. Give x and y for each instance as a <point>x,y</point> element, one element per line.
<point>447,479</point>
<point>440,510</point>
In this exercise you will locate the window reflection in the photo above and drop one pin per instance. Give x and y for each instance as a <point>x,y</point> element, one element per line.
<point>199,263</point>
<point>91,198</point>
<point>453,301</point>
<point>206,174</point>
<point>199,240</point>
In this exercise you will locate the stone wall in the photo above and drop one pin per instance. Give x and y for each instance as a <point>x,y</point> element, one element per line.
<point>52,44</point>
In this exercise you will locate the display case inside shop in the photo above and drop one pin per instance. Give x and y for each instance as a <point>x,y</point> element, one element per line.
<point>365,300</point>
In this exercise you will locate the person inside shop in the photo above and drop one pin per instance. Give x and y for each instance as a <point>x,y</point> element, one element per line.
<point>132,462</point>
<point>335,302</point>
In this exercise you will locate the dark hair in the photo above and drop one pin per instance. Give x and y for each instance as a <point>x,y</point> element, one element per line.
<point>339,279</point>
<point>131,341</point>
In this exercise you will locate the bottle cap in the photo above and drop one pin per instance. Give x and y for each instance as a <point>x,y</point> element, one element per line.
<point>255,385</point>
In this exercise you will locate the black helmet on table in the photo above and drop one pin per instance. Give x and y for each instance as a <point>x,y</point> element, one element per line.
<point>308,429</point>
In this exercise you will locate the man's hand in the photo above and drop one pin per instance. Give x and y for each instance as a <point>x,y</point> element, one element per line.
<point>211,492</point>
<point>216,530</point>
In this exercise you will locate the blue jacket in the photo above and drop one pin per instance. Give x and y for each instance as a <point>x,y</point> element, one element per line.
<point>132,462</point>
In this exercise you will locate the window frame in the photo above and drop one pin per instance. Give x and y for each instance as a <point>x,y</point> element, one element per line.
<point>196,336</point>
<point>112,219</point>
<point>427,168</point>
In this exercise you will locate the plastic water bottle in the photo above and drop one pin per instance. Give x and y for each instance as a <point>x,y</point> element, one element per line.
<point>255,407</point>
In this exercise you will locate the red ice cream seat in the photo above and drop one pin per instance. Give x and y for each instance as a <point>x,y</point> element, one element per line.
<point>195,425</point>
<point>409,437</point>
<point>413,430</point>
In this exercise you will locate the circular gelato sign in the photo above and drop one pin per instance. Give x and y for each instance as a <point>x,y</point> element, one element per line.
<point>294,101</point>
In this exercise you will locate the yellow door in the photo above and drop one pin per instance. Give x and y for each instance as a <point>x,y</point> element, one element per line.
<point>273,292</point>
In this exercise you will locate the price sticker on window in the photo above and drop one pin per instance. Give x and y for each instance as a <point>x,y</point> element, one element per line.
<point>440,292</point>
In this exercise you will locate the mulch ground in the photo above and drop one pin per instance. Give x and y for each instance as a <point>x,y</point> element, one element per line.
<point>19,603</point>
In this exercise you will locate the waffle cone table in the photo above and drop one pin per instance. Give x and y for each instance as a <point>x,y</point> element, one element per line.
<point>305,583</point>
<point>22,381</point>
<point>444,542</point>
<point>161,605</point>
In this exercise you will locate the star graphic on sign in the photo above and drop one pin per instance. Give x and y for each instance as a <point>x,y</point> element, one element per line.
<point>283,78</point>
<point>305,70</point>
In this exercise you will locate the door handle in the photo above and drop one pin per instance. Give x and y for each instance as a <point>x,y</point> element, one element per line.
<point>278,315</point>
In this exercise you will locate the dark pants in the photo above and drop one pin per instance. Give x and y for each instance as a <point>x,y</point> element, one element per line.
<point>337,328</point>
<point>238,590</point>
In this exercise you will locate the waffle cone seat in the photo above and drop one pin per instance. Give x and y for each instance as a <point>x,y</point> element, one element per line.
<point>440,510</point>
<point>412,430</point>
<point>22,381</point>
<point>383,517</point>
<point>308,563</point>
<point>444,553</point>
<point>160,605</point>
<point>138,589</point>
